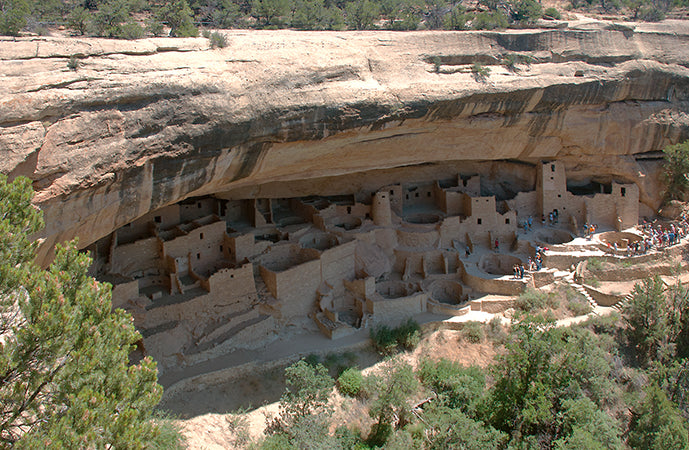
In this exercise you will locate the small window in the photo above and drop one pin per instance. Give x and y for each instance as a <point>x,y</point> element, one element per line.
<point>552,178</point>
<point>478,221</point>
<point>201,235</point>
<point>416,195</point>
<point>199,205</point>
<point>198,256</point>
<point>349,210</point>
<point>407,196</point>
<point>552,167</point>
<point>231,275</point>
<point>428,194</point>
<point>623,191</point>
<point>559,195</point>
<point>507,221</point>
<point>157,219</point>
<point>392,193</point>
<point>221,248</point>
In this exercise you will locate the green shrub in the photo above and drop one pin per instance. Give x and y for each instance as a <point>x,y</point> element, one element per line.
<point>552,13</point>
<point>408,334</point>
<point>73,63</point>
<point>217,40</point>
<point>131,30</point>
<point>594,264</point>
<point>527,11</point>
<point>510,61</point>
<point>489,21</point>
<point>472,332</point>
<point>603,324</point>
<point>593,281</point>
<point>481,72</point>
<point>312,360</point>
<point>350,381</point>
<point>369,386</point>
<point>155,27</point>
<point>380,432</point>
<point>495,331</point>
<point>384,340</point>
<point>456,386</point>
<point>651,14</point>
<point>578,305</point>
<point>532,299</point>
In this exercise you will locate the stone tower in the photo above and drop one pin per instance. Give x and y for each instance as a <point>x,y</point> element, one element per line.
<point>380,210</point>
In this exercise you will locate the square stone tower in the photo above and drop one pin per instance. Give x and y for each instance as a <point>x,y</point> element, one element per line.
<point>551,186</point>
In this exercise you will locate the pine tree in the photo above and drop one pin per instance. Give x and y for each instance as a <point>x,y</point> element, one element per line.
<point>65,377</point>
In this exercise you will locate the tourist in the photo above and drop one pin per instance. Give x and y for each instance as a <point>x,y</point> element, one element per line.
<point>543,219</point>
<point>521,271</point>
<point>530,219</point>
<point>497,245</point>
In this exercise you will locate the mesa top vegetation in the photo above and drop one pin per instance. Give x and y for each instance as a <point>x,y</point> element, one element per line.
<point>133,19</point>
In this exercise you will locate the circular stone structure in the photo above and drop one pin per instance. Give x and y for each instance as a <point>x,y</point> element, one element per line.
<point>422,218</point>
<point>447,292</point>
<point>553,237</point>
<point>496,264</point>
<point>348,223</point>
<point>621,238</point>
<point>396,289</point>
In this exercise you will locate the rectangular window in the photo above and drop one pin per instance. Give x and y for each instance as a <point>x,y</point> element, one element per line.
<point>507,221</point>
<point>552,167</point>
<point>478,221</point>
<point>623,191</point>
<point>201,235</point>
<point>157,219</point>
<point>198,256</point>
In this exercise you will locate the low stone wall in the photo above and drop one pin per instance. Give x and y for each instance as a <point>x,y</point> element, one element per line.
<point>631,273</point>
<point>542,278</point>
<point>602,298</point>
<point>448,310</point>
<point>499,286</point>
<point>392,311</point>
<point>492,305</point>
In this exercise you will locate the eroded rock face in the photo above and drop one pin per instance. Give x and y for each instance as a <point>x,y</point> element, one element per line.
<point>144,124</point>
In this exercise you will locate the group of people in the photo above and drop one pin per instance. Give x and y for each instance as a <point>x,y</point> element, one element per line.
<point>659,236</point>
<point>589,230</point>
<point>518,270</point>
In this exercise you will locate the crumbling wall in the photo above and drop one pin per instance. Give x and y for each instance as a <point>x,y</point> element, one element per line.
<point>136,257</point>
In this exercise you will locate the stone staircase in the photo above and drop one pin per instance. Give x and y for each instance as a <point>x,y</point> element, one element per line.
<point>568,277</point>
<point>619,306</point>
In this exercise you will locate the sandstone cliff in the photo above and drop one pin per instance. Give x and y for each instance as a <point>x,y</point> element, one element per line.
<point>147,123</point>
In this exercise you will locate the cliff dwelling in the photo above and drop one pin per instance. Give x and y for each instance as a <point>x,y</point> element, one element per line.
<point>211,274</point>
